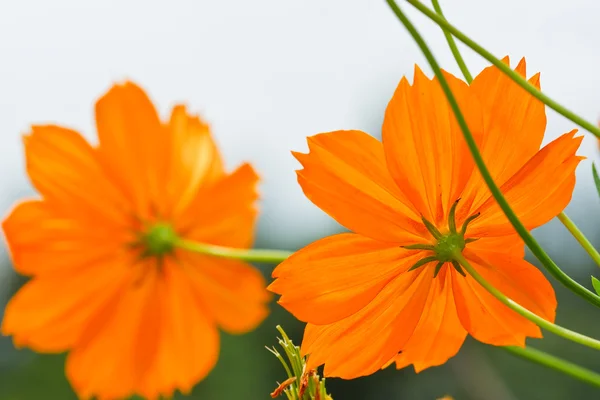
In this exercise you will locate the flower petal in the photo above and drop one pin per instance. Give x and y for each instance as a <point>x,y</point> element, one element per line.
<point>439,335</point>
<point>488,320</point>
<point>538,192</point>
<point>117,347</point>
<point>134,145</point>
<point>364,342</point>
<point>223,213</point>
<point>510,244</point>
<point>346,176</point>
<point>335,277</point>
<point>514,125</point>
<point>424,148</point>
<point>195,161</point>
<point>43,241</point>
<point>189,342</point>
<point>66,171</point>
<point>49,314</point>
<point>232,292</point>
<point>516,113</point>
<point>153,339</point>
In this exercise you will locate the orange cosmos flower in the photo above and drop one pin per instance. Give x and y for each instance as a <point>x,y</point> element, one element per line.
<point>389,292</point>
<point>136,314</point>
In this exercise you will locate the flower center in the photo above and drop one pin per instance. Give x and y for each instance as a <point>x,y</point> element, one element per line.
<point>447,244</point>
<point>158,240</point>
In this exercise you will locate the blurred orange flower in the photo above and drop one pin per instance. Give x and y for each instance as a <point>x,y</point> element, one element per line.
<point>369,300</point>
<point>136,314</point>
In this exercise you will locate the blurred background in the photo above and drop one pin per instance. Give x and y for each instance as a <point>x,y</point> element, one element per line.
<point>266,74</point>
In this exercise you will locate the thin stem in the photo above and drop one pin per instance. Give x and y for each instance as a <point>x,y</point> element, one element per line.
<point>556,363</point>
<point>254,255</point>
<point>452,44</point>
<point>529,240</point>
<point>596,178</point>
<point>513,305</point>
<point>580,237</point>
<point>280,358</point>
<point>446,26</point>
<point>293,354</point>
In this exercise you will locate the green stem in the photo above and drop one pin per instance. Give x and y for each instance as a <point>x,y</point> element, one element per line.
<point>452,44</point>
<point>580,237</point>
<point>556,363</point>
<point>513,305</point>
<point>253,255</point>
<point>280,358</point>
<point>567,222</point>
<point>444,24</point>
<point>529,240</point>
<point>293,353</point>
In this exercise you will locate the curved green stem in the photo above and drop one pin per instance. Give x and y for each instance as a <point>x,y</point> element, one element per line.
<point>452,44</point>
<point>567,222</point>
<point>580,237</point>
<point>556,363</point>
<point>513,305</point>
<point>444,24</point>
<point>255,255</point>
<point>529,240</point>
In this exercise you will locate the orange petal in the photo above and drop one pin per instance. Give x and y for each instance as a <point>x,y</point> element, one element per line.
<point>537,192</point>
<point>134,145</point>
<point>424,147</point>
<point>189,341</point>
<point>65,169</point>
<point>346,176</point>
<point>488,320</point>
<point>439,335</point>
<point>49,314</point>
<point>223,213</point>
<point>516,113</point>
<point>232,292</point>
<point>44,242</point>
<point>195,161</point>
<point>514,125</point>
<point>364,342</point>
<point>153,339</point>
<point>119,344</point>
<point>337,276</point>
<point>510,244</point>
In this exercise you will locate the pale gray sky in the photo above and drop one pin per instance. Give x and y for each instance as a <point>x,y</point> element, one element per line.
<point>268,73</point>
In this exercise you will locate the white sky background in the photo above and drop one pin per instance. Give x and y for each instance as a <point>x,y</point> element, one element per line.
<point>268,73</point>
